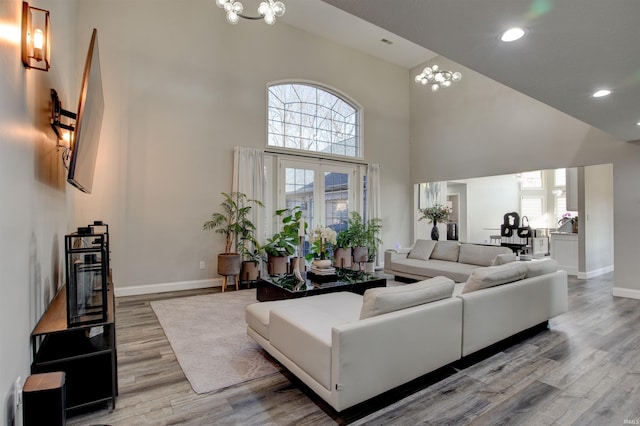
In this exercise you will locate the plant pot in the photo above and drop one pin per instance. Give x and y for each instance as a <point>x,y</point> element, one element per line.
<point>229,264</point>
<point>294,261</point>
<point>369,267</point>
<point>278,265</point>
<point>250,270</point>
<point>360,254</point>
<point>342,257</point>
<point>322,263</point>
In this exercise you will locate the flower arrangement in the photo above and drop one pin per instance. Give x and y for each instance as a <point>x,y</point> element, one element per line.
<point>321,238</point>
<point>436,214</point>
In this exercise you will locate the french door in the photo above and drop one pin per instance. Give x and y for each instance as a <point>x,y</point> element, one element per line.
<point>325,192</point>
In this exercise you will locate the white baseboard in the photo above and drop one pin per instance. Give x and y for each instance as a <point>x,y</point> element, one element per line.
<point>595,273</point>
<point>629,293</point>
<point>571,270</point>
<point>165,287</point>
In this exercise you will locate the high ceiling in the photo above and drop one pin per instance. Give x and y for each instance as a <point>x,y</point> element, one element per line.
<point>571,47</point>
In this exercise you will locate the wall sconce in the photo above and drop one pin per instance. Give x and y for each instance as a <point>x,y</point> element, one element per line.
<point>64,131</point>
<point>35,37</point>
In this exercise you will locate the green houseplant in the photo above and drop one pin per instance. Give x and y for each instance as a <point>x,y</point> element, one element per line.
<point>365,237</point>
<point>233,222</point>
<point>342,251</point>
<point>284,243</point>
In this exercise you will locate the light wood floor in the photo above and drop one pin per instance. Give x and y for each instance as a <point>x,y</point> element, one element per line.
<point>584,370</point>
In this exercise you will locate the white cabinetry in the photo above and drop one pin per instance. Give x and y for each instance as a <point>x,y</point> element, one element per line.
<point>564,249</point>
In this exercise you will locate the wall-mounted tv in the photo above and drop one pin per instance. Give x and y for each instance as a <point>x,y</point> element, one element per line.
<point>84,149</point>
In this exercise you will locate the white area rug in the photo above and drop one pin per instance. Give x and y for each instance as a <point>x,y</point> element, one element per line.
<point>208,335</point>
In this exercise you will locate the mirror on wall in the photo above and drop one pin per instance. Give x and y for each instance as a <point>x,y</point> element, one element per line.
<point>478,205</point>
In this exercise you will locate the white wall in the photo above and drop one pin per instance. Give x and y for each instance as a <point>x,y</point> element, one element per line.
<point>596,221</point>
<point>33,216</point>
<point>479,127</point>
<point>488,199</point>
<point>182,88</point>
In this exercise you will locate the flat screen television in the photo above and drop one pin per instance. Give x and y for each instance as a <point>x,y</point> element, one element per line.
<point>84,149</point>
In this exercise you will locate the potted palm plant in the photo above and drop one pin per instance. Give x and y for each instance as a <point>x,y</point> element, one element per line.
<point>365,238</point>
<point>372,238</point>
<point>357,229</point>
<point>233,222</point>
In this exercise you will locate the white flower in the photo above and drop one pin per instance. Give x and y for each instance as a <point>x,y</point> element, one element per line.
<point>323,233</point>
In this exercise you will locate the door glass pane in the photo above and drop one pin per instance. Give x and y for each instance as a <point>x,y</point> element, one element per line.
<point>336,200</point>
<point>299,185</point>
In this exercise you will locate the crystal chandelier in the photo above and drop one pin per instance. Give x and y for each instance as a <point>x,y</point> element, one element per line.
<point>437,78</point>
<point>268,10</point>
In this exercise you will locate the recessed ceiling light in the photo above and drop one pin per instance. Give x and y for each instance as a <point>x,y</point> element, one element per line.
<point>638,123</point>
<point>601,93</point>
<point>512,34</point>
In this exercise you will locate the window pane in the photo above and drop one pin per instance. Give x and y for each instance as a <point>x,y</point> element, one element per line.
<point>531,207</point>
<point>308,118</point>
<point>531,180</point>
<point>560,177</point>
<point>336,200</point>
<point>299,184</point>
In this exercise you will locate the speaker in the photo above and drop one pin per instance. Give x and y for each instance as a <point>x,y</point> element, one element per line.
<point>44,399</point>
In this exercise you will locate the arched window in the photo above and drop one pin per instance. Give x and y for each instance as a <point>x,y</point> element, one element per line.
<point>310,118</point>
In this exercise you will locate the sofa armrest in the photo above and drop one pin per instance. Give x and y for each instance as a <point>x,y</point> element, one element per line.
<point>374,355</point>
<point>391,255</point>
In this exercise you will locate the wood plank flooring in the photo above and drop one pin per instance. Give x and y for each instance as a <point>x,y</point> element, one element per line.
<point>585,369</point>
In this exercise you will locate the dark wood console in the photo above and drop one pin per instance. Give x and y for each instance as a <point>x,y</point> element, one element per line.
<point>86,353</point>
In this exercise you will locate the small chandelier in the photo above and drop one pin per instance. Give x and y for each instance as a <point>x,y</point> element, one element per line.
<point>437,78</point>
<point>268,10</point>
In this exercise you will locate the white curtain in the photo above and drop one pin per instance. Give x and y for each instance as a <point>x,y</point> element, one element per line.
<point>373,196</point>
<point>249,178</point>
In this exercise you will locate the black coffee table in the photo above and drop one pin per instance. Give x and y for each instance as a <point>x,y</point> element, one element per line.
<point>280,287</point>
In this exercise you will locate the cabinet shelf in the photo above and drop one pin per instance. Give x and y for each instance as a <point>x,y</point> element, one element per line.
<point>86,353</point>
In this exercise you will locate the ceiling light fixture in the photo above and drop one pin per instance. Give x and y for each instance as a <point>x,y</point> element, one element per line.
<point>268,10</point>
<point>437,78</point>
<point>512,34</point>
<point>601,93</point>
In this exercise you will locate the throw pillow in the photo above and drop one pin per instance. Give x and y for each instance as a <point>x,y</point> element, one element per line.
<point>422,249</point>
<point>502,259</point>
<point>540,267</point>
<point>479,254</point>
<point>492,276</point>
<point>446,250</point>
<point>378,301</point>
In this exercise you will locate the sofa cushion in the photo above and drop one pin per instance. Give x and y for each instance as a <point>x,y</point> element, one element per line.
<point>492,276</point>
<point>378,301</point>
<point>459,272</point>
<point>540,267</point>
<point>477,254</point>
<point>343,305</point>
<point>422,249</point>
<point>501,259</point>
<point>446,250</point>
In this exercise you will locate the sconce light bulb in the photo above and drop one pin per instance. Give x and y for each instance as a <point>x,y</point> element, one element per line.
<point>38,44</point>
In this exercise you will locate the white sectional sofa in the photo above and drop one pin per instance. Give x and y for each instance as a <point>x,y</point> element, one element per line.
<point>451,259</point>
<point>349,348</point>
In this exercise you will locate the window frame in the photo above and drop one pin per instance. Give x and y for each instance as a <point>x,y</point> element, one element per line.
<point>358,109</point>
